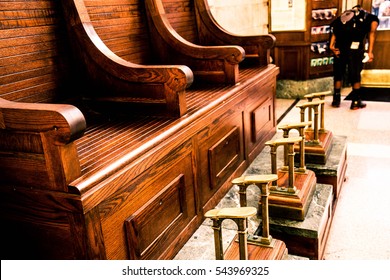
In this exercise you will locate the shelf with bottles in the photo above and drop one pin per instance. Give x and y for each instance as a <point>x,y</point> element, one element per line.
<point>320,33</point>
<point>321,61</point>
<point>323,16</point>
<point>321,67</point>
<point>324,4</point>
<point>319,48</point>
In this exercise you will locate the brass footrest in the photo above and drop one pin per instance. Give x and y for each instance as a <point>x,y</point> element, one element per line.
<point>231,213</point>
<point>260,241</point>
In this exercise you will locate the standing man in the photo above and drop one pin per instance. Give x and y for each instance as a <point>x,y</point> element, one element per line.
<point>348,35</point>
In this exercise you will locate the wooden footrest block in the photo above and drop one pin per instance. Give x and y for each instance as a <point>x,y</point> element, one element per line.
<point>292,206</point>
<point>256,252</point>
<point>316,152</point>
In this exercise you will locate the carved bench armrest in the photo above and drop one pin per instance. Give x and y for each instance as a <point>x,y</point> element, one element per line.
<point>64,123</point>
<point>115,76</point>
<point>37,148</point>
<point>232,54</point>
<point>178,76</point>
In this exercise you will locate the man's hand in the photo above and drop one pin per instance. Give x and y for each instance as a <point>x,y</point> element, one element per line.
<point>336,51</point>
<point>371,57</point>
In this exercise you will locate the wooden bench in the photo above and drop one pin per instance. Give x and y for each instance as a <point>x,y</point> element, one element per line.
<point>79,183</point>
<point>121,61</point>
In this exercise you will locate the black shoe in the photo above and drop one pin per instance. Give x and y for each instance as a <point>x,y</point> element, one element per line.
<point>336,100</point>
<point>357,104</point>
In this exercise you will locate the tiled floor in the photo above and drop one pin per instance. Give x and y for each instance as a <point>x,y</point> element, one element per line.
<point>361,223</point>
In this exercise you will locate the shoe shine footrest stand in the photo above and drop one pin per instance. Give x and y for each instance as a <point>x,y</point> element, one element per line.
<point>318,140</point>
<point>327,157</point>
<point>246,247</point>
<point>292,193</point>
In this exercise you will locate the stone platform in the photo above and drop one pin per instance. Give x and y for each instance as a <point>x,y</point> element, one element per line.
<point>304,239</point>
<point>307,238</point>
<point>332,172</point>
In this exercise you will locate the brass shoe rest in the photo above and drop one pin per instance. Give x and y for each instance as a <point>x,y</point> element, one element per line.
<point>318,140</point>
<point>292,193</point>
<point>262,247</point>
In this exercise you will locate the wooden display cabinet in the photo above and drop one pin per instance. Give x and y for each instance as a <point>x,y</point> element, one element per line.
<point>322,15</point>
<point>292,52</point>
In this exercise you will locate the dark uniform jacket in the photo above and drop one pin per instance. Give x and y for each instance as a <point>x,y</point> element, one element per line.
<point>351,29</point>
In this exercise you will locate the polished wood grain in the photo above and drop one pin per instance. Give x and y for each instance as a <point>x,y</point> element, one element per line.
<point>211,63</point>
<point>256,252</point>
<point>292,206</point>
<point>86,179</point>
<point>124,77</point>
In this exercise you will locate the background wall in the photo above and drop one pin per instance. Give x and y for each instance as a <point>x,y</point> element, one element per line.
<point>348,4</point>
<point>245,17</point>
<point>249,17</point>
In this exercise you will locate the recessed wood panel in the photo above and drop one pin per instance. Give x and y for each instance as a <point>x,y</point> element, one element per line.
<point>153,223</point>
<point>292,61</point>
<point>260,118</point>
<point>224,157</point>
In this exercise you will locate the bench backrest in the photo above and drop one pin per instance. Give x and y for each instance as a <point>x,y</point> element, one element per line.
<point>181,15</point>
<point>193,20</point>
<point>122,26</point>
<point>34,51</point>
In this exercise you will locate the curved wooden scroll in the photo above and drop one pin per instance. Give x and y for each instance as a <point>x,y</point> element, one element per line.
<point>216,64</point>
<point>160,88</point>
<point>37,144</point>
<point>210,32</point>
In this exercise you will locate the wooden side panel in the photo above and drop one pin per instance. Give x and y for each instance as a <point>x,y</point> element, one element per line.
<point>221,150</point>
<point>144,220</point>
<point>224,156</point>
<point>261,117</point>
<point>293,62</point>
<point>382,55</point>
<point>36,225</point>
<point>260,123</point>
<point>153,223</point>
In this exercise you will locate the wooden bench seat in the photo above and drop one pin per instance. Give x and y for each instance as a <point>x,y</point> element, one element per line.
<point>114,139</point>
<point>82,183</point>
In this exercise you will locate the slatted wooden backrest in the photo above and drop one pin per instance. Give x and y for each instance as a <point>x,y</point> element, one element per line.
<point>34,51</point>
<point>181,15</point>
<point>122,26</point>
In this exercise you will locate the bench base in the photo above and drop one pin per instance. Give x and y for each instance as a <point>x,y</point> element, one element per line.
<point>307,238</point>
<point>333,172</point>
<point>316,153</point>
<point>292,206</point>
<point>256,252</point>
